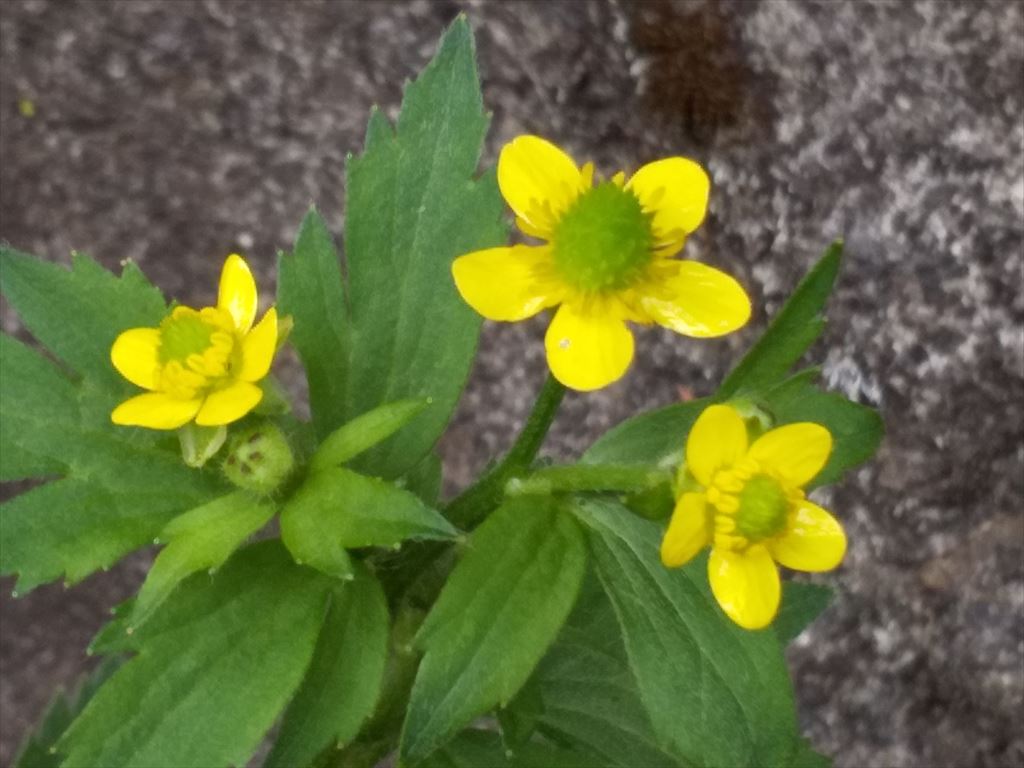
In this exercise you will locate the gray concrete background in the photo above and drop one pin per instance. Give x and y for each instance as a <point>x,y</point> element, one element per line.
<point>175,132</point>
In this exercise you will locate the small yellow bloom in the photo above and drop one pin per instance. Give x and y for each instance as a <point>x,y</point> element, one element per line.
<point>606,260</point>
<point>751,509</point>
<point>199,364</point>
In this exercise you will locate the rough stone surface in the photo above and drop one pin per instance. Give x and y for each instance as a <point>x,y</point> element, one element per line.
<point>175,132</point>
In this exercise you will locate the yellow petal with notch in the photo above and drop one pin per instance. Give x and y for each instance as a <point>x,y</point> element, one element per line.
<point>688,532</point>
<point>509,283</point>
<point>588,349</point>
<point>794,452</point>
<point>718,439</point>
<point>676,191</point>
<point>155,410</point>
<point>814,540</point>
<point>696,300</point>
<point>223,406</point>
<point>258,348</point>
<point>136,356</point>
<point>538,181</point>
<point>746,585</point>
<point>237,293</point>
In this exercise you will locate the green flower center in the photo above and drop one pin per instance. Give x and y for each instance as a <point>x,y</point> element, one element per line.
<point>183,334</point>
<point>603,242</point>
<point>763,507</point>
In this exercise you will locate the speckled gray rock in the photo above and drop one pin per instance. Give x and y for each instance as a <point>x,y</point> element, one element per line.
<point>174,132</point>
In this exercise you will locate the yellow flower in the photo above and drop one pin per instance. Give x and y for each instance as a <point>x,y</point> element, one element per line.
<point>606,260</point>
<point>751,509</point>
<point>199,364</point>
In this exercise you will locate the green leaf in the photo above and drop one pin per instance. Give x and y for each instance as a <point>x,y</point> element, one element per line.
<point>588,696</point>
<point>216,664</point>
<point>337,509</point>
<point>716,694</point>
<point>363,432</point>
<point>343,682</point>
<point>790,333</point>
<point>78,313</point>
<point>484,749</point>
<point>37,402</point>
<point>52,426</point>
<point>656,437</point>
<point>198,540</point>
<point>425,479</point>
<point>857,430</point>
<point>413,205</point>
<point>310,289</point>
<point>39,749</point>
<point>801,604</point>
<point>501,608</point>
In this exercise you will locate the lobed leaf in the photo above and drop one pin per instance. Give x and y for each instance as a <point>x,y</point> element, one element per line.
<point>39,748</point>
<point>857,430</point>
<point>716,694</point>
<point>412,206</point>
<point>500,610</point>
<point>78,313</point>
<point>801,604</point>
<point>363,432</point>
<point>337,509</point>
<point>790,333</point>
<point>310,290</point>
<point>587,693</point>
<point>215,666</point>
<point>344,679</point>
<point>475,748</point>
<point>198,540</point>
<point>54,426</point>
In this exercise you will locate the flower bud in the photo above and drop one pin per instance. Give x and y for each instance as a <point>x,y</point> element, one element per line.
<point>259,458</point>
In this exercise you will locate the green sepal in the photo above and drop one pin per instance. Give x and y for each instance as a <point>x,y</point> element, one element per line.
<point>200,444</point>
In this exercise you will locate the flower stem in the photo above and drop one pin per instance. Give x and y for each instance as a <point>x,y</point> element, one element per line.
<point>588,477</point>
<point>470,507</point>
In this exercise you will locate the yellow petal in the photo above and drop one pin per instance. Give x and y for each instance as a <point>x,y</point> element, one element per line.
<point>223,406</point>
<point>696,300</point>
<point>538,181</point>
<point>688,532</point>
<point>746,585</point>
<point>155,410</point>
<point>588,349</point>
<point>676,191</point>
<point>135,355</point>
<point>718,439</point>
<point>814,540</point>
<point>237,295</point>
<point>795,452</point>
<point>509,284</point>
<point>258,348</point>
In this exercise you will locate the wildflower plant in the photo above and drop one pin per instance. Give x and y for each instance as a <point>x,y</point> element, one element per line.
<point>311,590</point>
